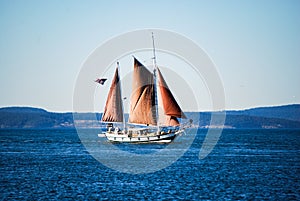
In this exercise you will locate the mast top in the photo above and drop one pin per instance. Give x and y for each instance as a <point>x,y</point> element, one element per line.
<point>154,55</point>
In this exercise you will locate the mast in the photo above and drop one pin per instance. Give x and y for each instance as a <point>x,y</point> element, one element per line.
<point>155,84</point>
<point>122,105</point>
<point>154,55</point>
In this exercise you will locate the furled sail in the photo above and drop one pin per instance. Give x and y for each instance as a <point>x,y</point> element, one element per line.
<point>113,111</point>
<point>142,108</point>
<point>170,106</point>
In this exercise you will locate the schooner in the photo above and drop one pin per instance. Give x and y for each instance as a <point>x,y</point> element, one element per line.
<point>143,126</point>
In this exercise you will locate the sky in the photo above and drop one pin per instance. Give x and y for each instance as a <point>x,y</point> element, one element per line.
<point>255,45</point>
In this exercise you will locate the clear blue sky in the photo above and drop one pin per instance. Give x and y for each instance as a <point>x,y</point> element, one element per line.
<point>254,44</point>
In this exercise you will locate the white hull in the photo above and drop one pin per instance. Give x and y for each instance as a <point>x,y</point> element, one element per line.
<point>142,138</point>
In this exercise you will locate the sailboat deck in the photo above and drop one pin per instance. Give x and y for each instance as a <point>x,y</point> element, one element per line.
<point>139,137</point>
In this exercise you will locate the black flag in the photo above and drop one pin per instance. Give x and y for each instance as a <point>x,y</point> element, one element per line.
<point>101,81</point>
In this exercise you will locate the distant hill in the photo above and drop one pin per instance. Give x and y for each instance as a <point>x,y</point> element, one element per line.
<point>240,120</point>
<point>287,116</point>
<point>22,110</point>
<point>28,117</point>
<point>289,112</point>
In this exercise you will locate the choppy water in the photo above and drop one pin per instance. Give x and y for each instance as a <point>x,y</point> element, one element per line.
<point>245,165</point>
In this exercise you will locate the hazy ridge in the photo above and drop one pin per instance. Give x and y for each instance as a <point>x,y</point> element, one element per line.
<point>286,116</point>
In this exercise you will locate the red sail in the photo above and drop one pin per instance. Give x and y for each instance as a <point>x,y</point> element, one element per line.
<point>113,111</point>
<point>142,108</point>
<point>170,106</point>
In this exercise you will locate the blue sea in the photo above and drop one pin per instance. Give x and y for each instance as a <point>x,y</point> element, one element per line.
<point>244,165</point>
